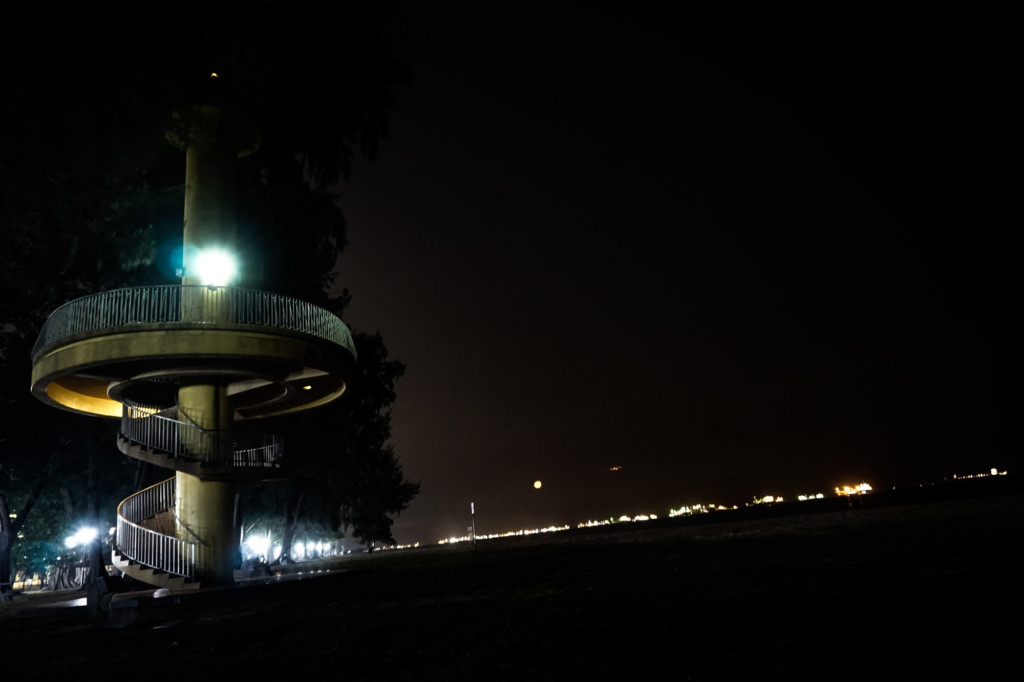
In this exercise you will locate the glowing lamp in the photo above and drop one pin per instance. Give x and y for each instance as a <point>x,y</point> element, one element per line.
<point>82,537</point>
<point>214,267</point>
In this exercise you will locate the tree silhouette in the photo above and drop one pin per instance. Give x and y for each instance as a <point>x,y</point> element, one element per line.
<point>342,473</point>
<point>371,486</point>
<point>375,490</point>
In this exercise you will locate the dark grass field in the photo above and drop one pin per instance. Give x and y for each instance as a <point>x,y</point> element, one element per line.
<point>896,592</point>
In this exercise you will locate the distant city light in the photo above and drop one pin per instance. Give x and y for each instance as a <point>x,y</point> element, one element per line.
<point>509,534</point>
<point>859,489</point>
<point>992,472</point>
<point>259,544</point>
<point>537,485</point>
<point>697,509</point>
<point>625,518</point>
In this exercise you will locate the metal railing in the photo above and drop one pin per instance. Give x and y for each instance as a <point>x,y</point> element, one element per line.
<point>145,425</point>
<point>148,547</point>
<point>184,307</point>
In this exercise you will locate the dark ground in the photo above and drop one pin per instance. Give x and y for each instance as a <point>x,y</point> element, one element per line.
<point>874,592</point>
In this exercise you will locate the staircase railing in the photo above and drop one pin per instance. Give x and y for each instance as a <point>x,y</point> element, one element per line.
<point>152,427</point>
<point>149,547</point>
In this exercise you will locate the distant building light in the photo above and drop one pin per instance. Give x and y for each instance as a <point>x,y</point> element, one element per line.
<point>859,489</point>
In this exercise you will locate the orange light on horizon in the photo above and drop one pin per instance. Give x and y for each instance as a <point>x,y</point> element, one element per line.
<point>859,489</point>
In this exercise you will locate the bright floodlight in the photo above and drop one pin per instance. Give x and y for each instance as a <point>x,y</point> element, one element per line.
<point>258,545</point>
<point>82,537</point>
<point>215,267</point>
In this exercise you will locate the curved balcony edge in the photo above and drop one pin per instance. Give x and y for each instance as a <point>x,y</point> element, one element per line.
<point>188,307</point>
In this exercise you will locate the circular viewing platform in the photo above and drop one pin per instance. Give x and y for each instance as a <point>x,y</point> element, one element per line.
<point>275,354</point>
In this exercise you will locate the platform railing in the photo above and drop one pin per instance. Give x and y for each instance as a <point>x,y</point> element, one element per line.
<point>122,310</point>
<point>149,547</point>
<point>145,425</point>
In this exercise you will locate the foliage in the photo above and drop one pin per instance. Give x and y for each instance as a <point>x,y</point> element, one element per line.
<point>56,479</point>
<point>343,475</point>
<point>372,487</point>
<point>376,490</point>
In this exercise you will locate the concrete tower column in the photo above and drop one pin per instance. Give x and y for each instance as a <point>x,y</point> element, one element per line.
<point>205,508</point>
<point>210,182</point>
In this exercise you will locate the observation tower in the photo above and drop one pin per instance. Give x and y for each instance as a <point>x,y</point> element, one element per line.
<point>188,369</point>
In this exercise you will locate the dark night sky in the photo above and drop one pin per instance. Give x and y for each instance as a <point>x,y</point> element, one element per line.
<point>734,254</point>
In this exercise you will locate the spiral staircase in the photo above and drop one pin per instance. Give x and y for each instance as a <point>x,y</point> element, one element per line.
<point>141,354</point>
<point>188,367</point>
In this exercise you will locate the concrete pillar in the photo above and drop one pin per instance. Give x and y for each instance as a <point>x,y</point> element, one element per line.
<point>210,182</point>
<point>206,516</point>
<point>207,414</point>
<point>205,509</point>
<point>210,222</point>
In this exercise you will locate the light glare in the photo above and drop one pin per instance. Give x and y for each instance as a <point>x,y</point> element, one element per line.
<point>215,267</point>
<point>82,537</point>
